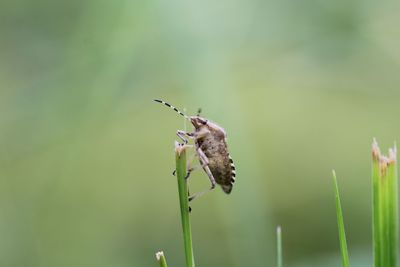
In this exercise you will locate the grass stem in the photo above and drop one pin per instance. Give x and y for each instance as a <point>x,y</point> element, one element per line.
<point>385,207</point>
<point>340,221</point>
<point>180,156</point>
<point>161,259</point>
<point>279,246</point>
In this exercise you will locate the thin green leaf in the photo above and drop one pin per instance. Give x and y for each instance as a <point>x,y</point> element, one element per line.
<point>161,259</point>
<point>279,246</point>
<point>385,207</point>
<point>376,206</point>
<point>180,156</point>
<point>392,206</point>
<point>342,233</point>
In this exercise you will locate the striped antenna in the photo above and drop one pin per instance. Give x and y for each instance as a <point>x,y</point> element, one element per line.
<point>174,108</point>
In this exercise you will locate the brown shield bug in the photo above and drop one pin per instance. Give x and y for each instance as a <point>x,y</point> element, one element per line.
<point>211,148</point>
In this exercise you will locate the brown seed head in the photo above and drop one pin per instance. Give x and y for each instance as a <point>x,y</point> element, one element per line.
<point>384,161</point>
<point>376,152</point>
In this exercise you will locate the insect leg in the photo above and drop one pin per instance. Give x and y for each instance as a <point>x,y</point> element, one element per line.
<point>203,192</point>
<point>189,171</point>
<point>204,163</point>
<point>192,169</point>
<point>182,134</point>
<point>189,167</point>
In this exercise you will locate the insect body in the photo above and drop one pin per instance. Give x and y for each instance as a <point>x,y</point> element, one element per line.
<point>211,148</point>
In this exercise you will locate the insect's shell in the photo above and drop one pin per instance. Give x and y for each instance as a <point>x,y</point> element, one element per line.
<point>215,147</point>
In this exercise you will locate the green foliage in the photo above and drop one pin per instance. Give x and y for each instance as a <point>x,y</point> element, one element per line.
<point>180,154</point>
<point>342,233</point>
<point>161,259</point>
<point>384,206</point>
<point>279,246</point>
<point>385,214</point>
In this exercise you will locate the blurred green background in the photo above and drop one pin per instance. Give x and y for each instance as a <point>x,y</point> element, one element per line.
<point>86,157</point>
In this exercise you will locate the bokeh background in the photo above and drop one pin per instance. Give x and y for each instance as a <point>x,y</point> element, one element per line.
<point>86,157</point>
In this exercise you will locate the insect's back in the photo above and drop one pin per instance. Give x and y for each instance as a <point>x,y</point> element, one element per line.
<point>214,145</point>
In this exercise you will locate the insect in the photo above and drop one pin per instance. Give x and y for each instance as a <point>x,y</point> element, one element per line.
<point>211,148</point>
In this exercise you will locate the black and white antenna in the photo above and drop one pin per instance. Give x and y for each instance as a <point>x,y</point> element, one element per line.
<point>174,108</point>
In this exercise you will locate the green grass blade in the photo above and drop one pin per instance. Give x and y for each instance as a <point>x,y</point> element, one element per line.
<point>161,259</point>
<point>385,207</point>
<point>376,207</point>
<point>392,205</point>
<point>340,221</point>
<point>279,246</point>
<point>180,156</point>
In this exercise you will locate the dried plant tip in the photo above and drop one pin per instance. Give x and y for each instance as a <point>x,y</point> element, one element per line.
<point>161,259</point>
<point>392,155</point>
<point>159,255</point>
<point>384,161</point>
<point>179,148</point>
<point>383,165</point>
<point>376,152</point>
